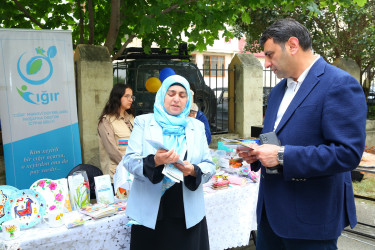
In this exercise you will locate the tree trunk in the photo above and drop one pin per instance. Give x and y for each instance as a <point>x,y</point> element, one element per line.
<point>81,22</point>
<point>91,22</point>
<point>114,26</point>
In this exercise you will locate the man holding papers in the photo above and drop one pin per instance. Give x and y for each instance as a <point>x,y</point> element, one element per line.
<point>317,115</point>
<point>166,201</point>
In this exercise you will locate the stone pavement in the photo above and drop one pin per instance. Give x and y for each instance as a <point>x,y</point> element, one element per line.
<point>347,241</point>
<point>350,240</point>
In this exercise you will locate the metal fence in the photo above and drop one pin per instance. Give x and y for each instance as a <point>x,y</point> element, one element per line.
<point>269,81</point>
<point>368,85</point>
<point>212,99</point>
<point>219,81</point>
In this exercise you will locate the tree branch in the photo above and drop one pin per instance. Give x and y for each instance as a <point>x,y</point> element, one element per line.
<point>81,25</point>
<point>337,28</point>
<point>27,14</point>
<point>123,47</point>
<point>173,7</point>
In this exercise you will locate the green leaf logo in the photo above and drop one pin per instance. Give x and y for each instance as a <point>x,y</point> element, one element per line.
<point>33,66</point>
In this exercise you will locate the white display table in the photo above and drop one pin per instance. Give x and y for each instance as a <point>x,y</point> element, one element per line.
<point>230,213</point>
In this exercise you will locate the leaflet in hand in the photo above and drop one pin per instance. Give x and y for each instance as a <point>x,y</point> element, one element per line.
<point>158,145</point>
<point>173,173</point>
<point>237,144</point>
<point>169,170</point>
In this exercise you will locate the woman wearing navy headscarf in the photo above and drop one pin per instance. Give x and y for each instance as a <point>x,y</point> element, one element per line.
<point>168,214</point>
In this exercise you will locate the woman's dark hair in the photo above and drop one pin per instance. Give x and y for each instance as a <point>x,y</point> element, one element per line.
<point>283,29</point>
<point>112,107</point>
<point>178,84</point>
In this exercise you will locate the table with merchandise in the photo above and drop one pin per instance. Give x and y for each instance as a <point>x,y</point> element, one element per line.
<point>33,218</point>
<point>230,216</point>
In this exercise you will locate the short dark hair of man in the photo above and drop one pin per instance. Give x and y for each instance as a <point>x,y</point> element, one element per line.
<point>283,29</point>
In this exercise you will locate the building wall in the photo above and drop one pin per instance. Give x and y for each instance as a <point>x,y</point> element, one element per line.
<point>94,83</point>
<point>227,49</point>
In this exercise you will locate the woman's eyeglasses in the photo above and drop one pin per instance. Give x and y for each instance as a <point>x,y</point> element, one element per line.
<point>130,97</point>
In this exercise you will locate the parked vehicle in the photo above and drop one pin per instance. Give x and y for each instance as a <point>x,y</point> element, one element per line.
<point>137,67</point>
<point>221,124</point>
<point>266,93</point>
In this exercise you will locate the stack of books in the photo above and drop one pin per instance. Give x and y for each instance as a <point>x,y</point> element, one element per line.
<point>98,210</point>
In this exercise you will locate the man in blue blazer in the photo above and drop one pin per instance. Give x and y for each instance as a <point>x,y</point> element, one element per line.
<point>318,113</point>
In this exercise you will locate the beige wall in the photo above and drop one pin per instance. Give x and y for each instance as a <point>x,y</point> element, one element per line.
<point>94,74</point>
<point>248,93</point>
<point>370,133</point>
<point>349,65</point>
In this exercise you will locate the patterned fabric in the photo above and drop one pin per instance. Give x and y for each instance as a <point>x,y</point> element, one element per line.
<point>237,203</point>
<point>107,233</point>
<point>123,142</point>
<point>167,183</point>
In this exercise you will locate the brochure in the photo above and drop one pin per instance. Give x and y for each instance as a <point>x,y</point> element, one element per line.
<point>103,189</point>
<point>122,181</point>
<point>169,170</point>
<point>73,219</point>
<point>98,210</point>
<point>173,173</point>
<point>239,144</point>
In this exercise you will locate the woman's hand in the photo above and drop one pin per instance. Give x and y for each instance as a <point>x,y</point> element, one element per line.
<point>163,156</point>
<point>187,169</point>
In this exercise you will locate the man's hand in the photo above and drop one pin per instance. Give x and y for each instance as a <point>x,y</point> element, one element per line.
<point>248,154</point>
<point>266,154</point>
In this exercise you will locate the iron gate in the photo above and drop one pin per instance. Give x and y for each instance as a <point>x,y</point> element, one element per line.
<point>213,99</point>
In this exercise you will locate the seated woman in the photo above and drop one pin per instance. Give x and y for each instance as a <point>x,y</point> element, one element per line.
<point>170,215</point>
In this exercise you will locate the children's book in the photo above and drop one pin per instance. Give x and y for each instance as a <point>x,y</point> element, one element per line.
<point>98,210</point>
<point>103,189</point>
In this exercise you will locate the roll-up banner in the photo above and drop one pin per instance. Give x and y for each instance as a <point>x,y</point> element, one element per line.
<point>38,105</point>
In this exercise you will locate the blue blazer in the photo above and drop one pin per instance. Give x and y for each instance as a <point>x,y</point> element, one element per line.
<point>324,131</point>
<point>201,117</point>
<point>144,197</point>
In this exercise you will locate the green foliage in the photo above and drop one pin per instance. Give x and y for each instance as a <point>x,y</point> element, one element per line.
<point>338,31</point>
<point>164,22</point>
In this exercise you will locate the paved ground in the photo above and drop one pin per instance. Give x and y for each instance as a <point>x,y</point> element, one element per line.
<point>349,240</point>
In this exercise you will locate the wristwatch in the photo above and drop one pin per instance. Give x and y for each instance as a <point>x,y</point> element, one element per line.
<point>280,155</point>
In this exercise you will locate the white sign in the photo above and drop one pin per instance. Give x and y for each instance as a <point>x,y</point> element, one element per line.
<point>38,105</point>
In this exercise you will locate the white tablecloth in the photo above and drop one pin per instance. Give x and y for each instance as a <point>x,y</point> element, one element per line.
<point>230,217</point>
<point>106,233</point>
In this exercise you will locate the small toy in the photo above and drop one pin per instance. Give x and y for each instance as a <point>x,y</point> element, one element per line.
<point>254,176</point>
<point>221,181</point>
